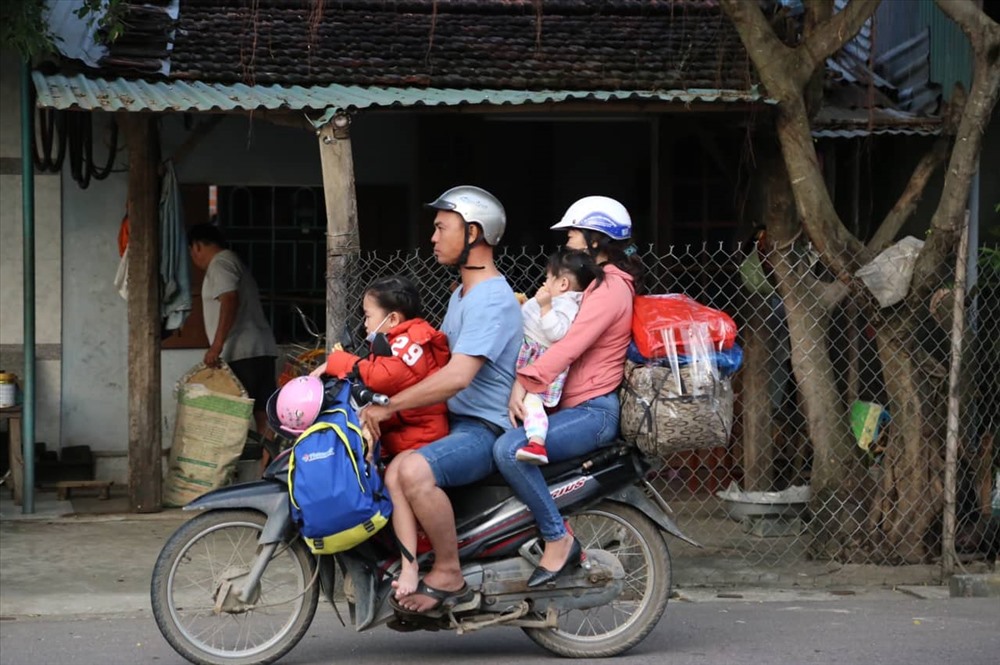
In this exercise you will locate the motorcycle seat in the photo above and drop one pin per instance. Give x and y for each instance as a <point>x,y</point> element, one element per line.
<point>469,501</point>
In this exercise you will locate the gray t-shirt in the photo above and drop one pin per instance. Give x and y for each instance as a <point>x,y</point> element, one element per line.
<point>486,323</point>
<point>251,334</point>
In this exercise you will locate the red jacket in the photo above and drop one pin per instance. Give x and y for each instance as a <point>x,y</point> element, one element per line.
<point>418,351</point>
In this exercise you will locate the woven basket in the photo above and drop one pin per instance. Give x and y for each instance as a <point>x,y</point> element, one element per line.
<point>661,419</point>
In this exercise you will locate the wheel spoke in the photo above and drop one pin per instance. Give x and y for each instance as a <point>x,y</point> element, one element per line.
<point>620,624</point>
<point>217,560</point>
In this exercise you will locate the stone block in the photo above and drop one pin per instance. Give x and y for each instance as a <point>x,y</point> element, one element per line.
<point>975,586</point>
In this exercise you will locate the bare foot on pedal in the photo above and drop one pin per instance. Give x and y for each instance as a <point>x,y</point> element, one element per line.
<point>407,581</point>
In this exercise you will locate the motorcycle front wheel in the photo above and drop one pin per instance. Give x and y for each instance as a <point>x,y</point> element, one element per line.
<point>615,628</point>
<point>197,579</point>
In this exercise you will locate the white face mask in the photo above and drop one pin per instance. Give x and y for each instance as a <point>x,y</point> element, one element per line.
<point>372,334</point>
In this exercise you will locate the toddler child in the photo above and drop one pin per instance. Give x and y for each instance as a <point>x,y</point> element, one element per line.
<point>392,309</point>
<point>547,318</point>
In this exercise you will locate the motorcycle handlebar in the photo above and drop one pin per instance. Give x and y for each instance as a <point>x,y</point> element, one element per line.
<point>364,396</point>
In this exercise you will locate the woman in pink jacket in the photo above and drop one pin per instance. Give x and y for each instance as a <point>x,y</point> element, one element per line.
<point>594,351</point>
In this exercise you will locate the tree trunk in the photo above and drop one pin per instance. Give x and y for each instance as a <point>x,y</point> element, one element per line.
<point>808,308</point>
<point>906,505</point>
<point>893,526</point>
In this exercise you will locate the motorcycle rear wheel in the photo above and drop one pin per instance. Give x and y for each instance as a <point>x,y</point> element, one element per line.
<point>190,572</point>
<point>612,629</point>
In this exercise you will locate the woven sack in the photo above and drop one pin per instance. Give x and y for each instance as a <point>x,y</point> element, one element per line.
<point>210,430</point>
<point>661,420</point>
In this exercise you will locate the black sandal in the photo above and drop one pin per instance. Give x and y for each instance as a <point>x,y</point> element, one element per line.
<point>446,600</point>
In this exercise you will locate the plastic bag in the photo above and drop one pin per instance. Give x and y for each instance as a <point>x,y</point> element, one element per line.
<point>868,422</point>
<point>888,275</point>
<point>661,324</point>
<point>727,361</point>
<point>754,277</point>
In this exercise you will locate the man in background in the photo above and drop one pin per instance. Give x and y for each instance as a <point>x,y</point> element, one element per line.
<point>237,330</point>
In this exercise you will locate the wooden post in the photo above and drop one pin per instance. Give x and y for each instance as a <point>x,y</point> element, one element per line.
<point>342,239</point>
<point>758,412</point>
<point>144,433</point>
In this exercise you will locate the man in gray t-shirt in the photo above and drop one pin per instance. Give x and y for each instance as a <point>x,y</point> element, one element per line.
<point>484,330</point>
<point>237,330</point>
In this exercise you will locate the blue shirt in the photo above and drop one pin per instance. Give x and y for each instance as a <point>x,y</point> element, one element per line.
<point>485,323</point>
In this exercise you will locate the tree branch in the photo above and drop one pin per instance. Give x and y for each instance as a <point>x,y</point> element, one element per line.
<point>973,21</point>
<point>984,35</point>
<point>831,36</point>
<point>839,249</point>
<point>783,75</point>
<point>766,51</point>
<point>923,171</point>
<point>818,12</point>
<point>910,197</point>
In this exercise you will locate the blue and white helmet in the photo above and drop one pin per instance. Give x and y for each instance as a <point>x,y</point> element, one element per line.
<point>598,213</point>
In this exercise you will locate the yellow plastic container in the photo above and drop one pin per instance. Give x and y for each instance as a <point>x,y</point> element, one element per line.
<point>8,389</point>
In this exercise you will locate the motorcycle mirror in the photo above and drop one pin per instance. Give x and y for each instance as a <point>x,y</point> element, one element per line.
<point>380,346</point>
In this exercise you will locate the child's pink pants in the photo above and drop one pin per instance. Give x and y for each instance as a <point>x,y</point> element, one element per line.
<point>536,421</point>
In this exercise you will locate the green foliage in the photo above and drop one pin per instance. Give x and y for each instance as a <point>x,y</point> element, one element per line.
<point>110,17</point>
<point>23,28</point>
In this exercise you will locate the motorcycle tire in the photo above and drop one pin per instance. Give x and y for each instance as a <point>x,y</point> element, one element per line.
<point>639,545</point>
<point>197,564</point>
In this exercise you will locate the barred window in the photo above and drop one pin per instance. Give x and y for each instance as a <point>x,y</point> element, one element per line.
<point>280,234</point>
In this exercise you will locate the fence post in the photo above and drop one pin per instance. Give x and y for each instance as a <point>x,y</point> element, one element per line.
<point>342,238</point>
<point>948,556</point>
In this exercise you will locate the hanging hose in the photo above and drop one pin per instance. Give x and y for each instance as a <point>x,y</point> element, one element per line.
<point>80,136</point>
<point>75,134</point>
<point>49,121</point>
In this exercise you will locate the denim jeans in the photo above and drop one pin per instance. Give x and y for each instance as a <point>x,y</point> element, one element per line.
<point>464,455</point>
<point>572,432</point>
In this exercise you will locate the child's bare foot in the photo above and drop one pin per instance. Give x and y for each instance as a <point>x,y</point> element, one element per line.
<point>406,583</point>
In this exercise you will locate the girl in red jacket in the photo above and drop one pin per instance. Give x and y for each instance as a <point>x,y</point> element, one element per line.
<point>392,308</point>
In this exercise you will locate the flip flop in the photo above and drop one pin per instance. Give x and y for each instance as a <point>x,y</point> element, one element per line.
<point>445,599</point>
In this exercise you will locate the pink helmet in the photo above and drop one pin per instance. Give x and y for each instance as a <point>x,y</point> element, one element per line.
<point>299,403</point>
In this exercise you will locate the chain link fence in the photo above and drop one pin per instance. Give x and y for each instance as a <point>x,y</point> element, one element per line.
<point>835,395</point>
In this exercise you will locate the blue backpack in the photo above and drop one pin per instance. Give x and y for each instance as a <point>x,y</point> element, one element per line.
<point>338,499</point>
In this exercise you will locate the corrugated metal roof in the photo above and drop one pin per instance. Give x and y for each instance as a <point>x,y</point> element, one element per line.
<point>846,123</point>
<point>435,97</point>
<point>851,61</point>
<point>875,131</point>
<point>908,66</point>
<point>83,93</point>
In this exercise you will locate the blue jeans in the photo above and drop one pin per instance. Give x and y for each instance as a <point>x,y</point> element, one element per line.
<point>572,432</point>
<point>464,455</point>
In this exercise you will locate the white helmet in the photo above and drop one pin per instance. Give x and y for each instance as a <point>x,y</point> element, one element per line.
<point>598,213</point>
<point>475,205</point>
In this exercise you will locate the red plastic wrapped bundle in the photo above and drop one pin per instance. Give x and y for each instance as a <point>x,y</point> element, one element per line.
<point>659,318</point>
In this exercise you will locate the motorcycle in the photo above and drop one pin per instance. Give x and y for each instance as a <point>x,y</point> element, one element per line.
<point>237,585</point>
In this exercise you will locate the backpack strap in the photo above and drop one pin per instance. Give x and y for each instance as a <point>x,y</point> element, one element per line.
<point>350,425</point>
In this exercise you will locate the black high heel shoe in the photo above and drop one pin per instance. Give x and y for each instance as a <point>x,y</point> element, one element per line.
<point>542,576</point>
